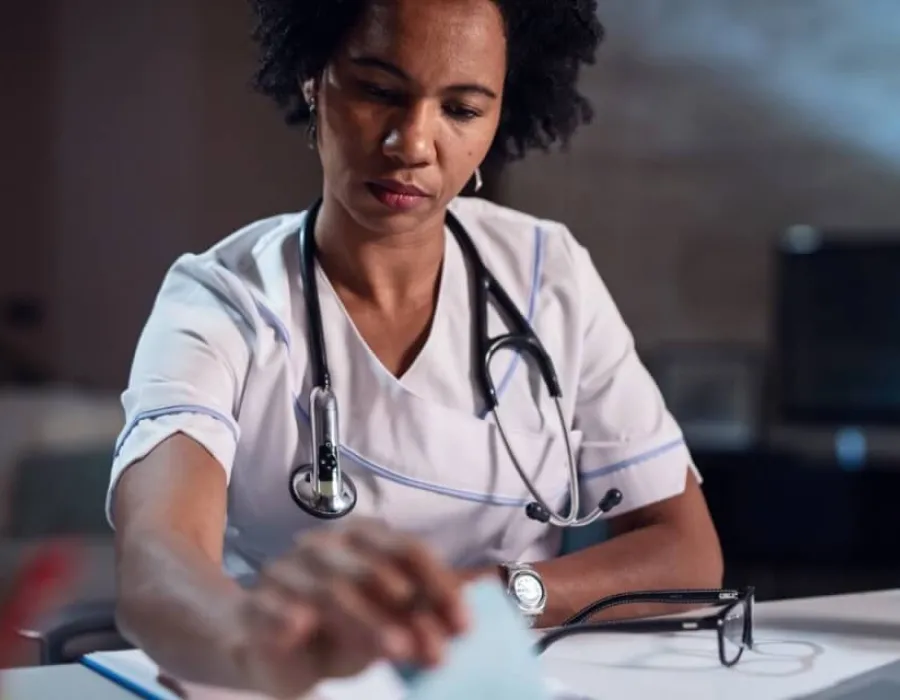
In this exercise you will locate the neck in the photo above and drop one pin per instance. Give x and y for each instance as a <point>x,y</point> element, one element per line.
<point>387,271</point>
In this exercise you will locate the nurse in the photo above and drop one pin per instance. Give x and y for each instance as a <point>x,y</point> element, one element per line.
<point>223,578</point>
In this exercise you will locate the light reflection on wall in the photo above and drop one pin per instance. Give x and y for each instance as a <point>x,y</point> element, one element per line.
<point>823,61</point>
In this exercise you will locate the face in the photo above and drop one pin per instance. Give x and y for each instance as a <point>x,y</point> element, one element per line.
<point>408,109</point>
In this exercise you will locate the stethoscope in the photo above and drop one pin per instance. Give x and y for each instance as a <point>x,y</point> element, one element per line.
<point>322,490</point>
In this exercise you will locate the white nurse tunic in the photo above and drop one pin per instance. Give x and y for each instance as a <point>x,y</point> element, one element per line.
<point>223,358</point>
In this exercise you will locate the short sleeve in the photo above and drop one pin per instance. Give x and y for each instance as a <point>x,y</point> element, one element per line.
<point>630,441</point>
<point>187,371</point>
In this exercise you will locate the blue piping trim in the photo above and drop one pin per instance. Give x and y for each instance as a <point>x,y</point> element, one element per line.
<point>485,498</point>
<point>171,411</point>
<point>272,319</point>
<point>128,684</point>
<point>532,307</point>
<point>378,470</point>
<point>631,461</point>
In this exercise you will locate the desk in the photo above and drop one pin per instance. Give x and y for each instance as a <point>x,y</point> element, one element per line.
<point>824,639</point>
<point>802,646</point>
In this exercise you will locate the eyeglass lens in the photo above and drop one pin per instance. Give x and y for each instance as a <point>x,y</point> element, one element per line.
<point>733,634</point>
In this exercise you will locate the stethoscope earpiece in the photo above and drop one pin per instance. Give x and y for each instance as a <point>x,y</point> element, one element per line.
<point>610,500</point>
<point>537,512</point>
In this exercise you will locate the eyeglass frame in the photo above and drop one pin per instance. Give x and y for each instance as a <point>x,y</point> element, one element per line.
<point>729,599</point>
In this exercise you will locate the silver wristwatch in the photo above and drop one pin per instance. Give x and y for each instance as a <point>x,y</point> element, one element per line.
<point>526,589</point>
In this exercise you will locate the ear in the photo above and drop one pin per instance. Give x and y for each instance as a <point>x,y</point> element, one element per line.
<point>309,89</point>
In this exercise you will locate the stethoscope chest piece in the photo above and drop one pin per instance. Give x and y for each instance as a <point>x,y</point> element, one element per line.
<point>319,502</point>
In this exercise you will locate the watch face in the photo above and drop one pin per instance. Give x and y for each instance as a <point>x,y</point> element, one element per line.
<point>528,589</point>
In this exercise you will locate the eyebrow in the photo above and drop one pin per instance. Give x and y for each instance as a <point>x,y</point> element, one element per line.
<point>387,67</point>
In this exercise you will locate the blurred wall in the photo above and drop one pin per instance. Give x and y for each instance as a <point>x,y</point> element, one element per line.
<point>136,137</point>
<point>718,124</point>
<point>26,162</point>
<point>164,148</point>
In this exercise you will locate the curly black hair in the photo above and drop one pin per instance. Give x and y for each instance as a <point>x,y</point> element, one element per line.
<point>548,41</point>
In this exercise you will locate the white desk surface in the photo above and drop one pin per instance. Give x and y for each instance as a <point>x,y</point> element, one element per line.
<point>802,646</point>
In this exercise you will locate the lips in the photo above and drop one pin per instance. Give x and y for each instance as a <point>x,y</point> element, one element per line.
<point>398,187</point>
<point>397,196</point>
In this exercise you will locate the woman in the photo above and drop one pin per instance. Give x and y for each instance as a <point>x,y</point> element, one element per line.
<point>406,99</point>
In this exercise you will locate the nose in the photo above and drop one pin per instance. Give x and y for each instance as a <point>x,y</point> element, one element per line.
<point>411,140</point>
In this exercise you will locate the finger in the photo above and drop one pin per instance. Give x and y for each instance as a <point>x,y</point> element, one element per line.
<point>338,580</point>
<point>351,559</point>
<point>314,573</point>
<point>376,535</point>
<point>330,557</point>
<point>390,590</point>
<point>170,684</point>
<point>278,614</point>
<point>437,584</point>
<point>404,602</point>
<point>430,636</point>
<point>365,625</point>
<point>386,582</point>
<point>291,577</point>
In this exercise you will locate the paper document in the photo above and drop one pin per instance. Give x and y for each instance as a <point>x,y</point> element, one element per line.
<point>495,659</point>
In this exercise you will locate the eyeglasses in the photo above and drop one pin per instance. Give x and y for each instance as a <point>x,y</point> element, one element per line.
<point>733,623</point>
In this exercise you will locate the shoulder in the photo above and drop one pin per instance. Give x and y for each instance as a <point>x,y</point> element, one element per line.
<point>253,254</point>
<point>252,259</point>
<point>245,278</point>
<point>509,238</point>
<point>495,220</point>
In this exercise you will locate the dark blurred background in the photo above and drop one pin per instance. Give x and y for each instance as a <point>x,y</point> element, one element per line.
<point>739,190</point>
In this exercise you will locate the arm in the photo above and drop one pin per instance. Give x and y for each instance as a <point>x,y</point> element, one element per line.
<point>174,600</point>
<point>167,497</point>
<point>662,533</point>
<point>328,608</point>
<point>667,545</point>
<point>321,609</point>
<point>670,544</point>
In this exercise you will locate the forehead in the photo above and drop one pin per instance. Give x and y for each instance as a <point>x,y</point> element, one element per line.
<point>434,40</point>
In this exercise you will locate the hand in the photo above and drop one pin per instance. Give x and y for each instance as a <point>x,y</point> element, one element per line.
<point>343,598</point>
<point>481,573</point>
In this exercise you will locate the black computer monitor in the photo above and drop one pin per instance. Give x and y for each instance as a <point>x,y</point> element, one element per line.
<point>837,328</point>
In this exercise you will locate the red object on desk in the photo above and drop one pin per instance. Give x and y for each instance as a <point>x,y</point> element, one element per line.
<point>32,590</point>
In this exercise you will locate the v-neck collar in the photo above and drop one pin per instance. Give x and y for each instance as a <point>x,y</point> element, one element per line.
<point>443,370</point>
<point>448,271</point>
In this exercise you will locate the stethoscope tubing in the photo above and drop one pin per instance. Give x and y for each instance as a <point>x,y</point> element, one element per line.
<point>521,338</point>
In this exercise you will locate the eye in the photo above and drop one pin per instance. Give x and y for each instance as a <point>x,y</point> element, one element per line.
<point>379,93</point>
<point>462,113</point>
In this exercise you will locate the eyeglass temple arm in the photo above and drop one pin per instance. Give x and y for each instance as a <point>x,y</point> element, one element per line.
<point>637,626</point>
<point>698,596</point>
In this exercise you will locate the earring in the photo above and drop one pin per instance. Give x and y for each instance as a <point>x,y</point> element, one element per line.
<point>311,132</point>
<point>479,183</point>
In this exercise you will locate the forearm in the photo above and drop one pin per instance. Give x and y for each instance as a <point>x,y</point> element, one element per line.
<point>656,556</point>
<point>651,558</point>
<point>181,609</point>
